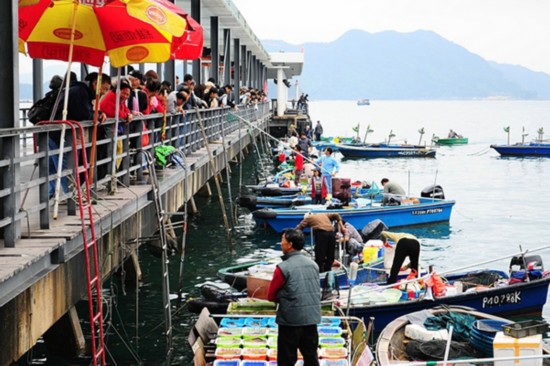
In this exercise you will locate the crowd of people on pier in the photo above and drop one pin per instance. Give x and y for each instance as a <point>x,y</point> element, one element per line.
<point>139,95</point>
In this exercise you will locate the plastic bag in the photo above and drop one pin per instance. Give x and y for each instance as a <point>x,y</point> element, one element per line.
<point>436,283</point>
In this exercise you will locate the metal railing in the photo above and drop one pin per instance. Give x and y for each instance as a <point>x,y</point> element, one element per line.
<point>28,156</point>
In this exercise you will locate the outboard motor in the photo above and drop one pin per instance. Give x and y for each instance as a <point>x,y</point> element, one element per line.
<point>341,189</point>
<point>373,230</point>
<point>433,191</point>
<point>533,262</point>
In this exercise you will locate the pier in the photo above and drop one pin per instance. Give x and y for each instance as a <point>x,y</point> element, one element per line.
<point>42,256</point>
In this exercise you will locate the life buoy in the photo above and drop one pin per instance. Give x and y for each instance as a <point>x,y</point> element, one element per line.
<point>271,191</point>
<point>248,201</point>
<point>264,214</point>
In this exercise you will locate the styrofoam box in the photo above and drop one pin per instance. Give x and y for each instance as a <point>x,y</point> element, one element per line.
<point>504,346</point>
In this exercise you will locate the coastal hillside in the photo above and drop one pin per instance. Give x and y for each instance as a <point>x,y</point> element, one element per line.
<point>417,65</point>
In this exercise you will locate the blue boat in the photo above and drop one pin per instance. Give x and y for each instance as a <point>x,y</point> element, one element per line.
<point>385,151</point>
<point>522,298</point>
<point>519,149</point>
<point>428,210</point>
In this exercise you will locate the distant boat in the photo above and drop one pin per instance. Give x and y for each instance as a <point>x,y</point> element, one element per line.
<point>363,102</point>
<point>385,151</point>
<point>529,149</point>
<point>451,141</point>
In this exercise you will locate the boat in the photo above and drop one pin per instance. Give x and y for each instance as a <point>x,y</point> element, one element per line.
<point>259,201</point>
<point>392,341</point>
<point>424,211</point>
<point>332,142</point>
<point>491,293</point>
<point>451,141</point>
<point>385,151</point>
<point>363,102</point>
<point>541,149</point>
<point>237,276</point>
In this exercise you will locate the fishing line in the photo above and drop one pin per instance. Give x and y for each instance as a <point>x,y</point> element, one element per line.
<point>278,141</point>
<point>481,152</point>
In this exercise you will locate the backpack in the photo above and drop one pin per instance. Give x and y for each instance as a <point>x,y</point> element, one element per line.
<point>42,109</point>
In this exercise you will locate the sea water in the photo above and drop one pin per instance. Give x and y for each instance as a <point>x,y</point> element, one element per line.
<point>501,204</point>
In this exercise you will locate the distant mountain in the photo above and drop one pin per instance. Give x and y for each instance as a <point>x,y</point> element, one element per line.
<point>417,65</point>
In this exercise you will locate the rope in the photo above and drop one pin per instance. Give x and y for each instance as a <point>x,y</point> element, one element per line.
<point>481,152</point>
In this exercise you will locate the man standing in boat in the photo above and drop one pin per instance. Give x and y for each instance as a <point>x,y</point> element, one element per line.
<point>325,237</point>
<point>318,131</point>
<point>295,287</point>
<point>406,245</point>
<point>329,167</point>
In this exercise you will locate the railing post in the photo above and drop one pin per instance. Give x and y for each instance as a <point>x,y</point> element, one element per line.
<point>10,181</point>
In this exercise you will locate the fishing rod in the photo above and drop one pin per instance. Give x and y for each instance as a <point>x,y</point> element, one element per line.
<point>280,141</point>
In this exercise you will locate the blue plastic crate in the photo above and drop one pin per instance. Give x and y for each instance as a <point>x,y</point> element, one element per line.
<point>232,322</point>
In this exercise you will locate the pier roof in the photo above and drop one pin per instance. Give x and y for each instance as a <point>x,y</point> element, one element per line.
<point>230,17</point>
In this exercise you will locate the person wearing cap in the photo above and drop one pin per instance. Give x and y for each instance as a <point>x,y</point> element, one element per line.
<point>406,245</point>
<point>325,237</point>
<point>318,187</point>
<point>295,287</point>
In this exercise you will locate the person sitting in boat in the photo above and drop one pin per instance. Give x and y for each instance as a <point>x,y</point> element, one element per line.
<point>392,191</point>
<point>453,135</point>
<point>318,187</point>
<point>353,239</point>
<point>406,245</point>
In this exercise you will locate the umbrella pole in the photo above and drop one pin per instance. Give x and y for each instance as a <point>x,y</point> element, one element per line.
<point>94,133</point>
<point>117,111</point>
<point>63,127</point>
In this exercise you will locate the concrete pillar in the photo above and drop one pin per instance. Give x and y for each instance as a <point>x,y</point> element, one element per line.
<point>37,79</point>
<point>248,68</point>
<point>281,92</point>
<point>237,63</point>
<point>244,69</point>
<point>215,48</point>
<point>9,105</point>
<point>196,14</point>
<point>227,56</point>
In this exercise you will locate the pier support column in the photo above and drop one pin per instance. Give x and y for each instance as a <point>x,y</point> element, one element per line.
<point>65,337</point>
<point>281,93</point>
<point>205,191</point>
<point>132,269</point>
<point>193,206</point>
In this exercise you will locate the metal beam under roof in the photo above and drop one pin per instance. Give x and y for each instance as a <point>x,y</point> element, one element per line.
<point>230,17</point>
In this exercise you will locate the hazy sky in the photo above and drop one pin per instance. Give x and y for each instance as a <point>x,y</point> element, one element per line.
<point>505,31</point>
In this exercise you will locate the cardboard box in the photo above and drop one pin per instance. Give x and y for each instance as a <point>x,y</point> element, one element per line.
<point>257,287</point>
<point>505,346</point>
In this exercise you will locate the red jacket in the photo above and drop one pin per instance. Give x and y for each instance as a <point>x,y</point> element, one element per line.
<point>323,187</point>
<point>299,161</point>
<point>108,106</point>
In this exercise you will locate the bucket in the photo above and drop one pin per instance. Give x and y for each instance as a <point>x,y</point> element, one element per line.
<point>370,254</point>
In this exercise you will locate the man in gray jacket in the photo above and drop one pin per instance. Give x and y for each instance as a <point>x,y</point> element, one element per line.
<point>295,286</point>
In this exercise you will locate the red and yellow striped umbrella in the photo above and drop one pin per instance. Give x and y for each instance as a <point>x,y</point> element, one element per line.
<point>128,31</point>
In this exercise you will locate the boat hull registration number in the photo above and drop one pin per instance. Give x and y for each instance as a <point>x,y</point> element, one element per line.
<point>502,299</point>
<point>427,211</point>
